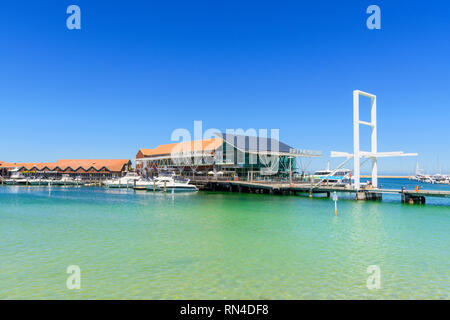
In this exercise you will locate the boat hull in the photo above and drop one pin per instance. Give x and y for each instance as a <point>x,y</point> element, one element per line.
<point>37,183</point>
<point>63,183</point>
<point>122,185</point>
<point>177,188</point>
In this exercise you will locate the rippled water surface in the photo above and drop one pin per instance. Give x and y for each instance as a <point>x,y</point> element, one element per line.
<point>218,245</point>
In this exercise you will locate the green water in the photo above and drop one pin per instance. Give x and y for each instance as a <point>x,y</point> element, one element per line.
<point>217,246</point>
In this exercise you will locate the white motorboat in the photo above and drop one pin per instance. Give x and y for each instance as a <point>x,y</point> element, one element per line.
<point>340,176</point>
<point>173,184</point>
<point>16,177</point>
<point>143,184</point>
<point>421,177</point>
<point>37,182</point>
<point>126,181</point>
<point>78,181</point>
<point>424,178</point>
<point>441,178</point>
<point>65,180</point>
<point>22,181</point>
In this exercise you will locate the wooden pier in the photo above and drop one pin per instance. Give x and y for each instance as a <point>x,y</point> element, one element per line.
<point>310,189</point>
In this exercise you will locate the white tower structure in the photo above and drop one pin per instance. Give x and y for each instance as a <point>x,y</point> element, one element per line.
<point>373,154</point>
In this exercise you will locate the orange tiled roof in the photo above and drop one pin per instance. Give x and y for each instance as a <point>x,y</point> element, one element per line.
<point>110,164</point>
<point>6,164</point>
<point>31,165</point>
<point>143,153</point>
<point>198,145</point>
<point>74,164</point>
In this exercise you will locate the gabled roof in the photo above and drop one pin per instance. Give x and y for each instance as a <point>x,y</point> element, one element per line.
<point>6,165</point>
<point>143,153</point>
<point>113,165</point>
<point>188,146</point>
<point>39,166</point>
<point>255,144</point>
<point>110,164</point>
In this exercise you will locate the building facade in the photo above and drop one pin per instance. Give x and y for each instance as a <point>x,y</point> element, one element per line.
<point>236,156</point>
<point>86,169</point>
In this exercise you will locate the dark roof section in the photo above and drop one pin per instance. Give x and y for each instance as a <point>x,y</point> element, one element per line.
<point>255,144</point>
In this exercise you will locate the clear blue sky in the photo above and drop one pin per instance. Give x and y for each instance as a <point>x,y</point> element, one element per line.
<point>137,70</point>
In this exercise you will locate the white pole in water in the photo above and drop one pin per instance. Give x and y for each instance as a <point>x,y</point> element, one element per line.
<point>335,199</point>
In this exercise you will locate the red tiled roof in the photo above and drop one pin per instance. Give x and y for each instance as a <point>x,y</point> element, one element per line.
<point>6,164</point>
<point>113,165</point>
<point>143,153</point>
<point>110,164</point>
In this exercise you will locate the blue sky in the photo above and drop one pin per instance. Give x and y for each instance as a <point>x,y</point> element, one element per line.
<point>137,70</point>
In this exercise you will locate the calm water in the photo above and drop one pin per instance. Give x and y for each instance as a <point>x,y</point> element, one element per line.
<point>218,245</point>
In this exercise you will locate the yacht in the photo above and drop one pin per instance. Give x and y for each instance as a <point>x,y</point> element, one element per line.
<point>341,176</point>
<point>424,178</point>
<point>65,180</point>
<point>421,177</point>
<point>79,180</point>
<point>143,184</point>
<point>16,177</point>
<point>172,184</point>
<point>126,181</point>
<point>37,182</point>
<point>441,178</point>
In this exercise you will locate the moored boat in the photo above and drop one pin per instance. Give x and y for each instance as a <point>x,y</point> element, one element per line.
<point>126,181</point>
<point>16,178</point>
<point>143,184</point>
<point>173,184</point>
<point>65,180</point>
<point>340,176</point>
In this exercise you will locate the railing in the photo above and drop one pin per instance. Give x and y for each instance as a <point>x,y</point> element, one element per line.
<point>258,179</point>
<point>203,178</point>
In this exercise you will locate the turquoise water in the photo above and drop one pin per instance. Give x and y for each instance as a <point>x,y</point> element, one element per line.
<point>204,245</point>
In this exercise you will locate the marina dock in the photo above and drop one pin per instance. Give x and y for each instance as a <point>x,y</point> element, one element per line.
<point>285,188</point>
<point>310,189</point>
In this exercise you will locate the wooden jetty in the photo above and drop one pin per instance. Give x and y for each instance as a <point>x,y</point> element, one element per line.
<point>311,189</point>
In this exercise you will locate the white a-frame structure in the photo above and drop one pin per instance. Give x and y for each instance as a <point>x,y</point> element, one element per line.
<point>373,154</point>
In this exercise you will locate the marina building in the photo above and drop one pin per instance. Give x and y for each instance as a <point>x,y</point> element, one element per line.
<point>232,155</point>
<point>86,169</point>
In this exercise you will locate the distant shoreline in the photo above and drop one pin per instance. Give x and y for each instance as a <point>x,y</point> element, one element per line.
<point>390,177</point>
